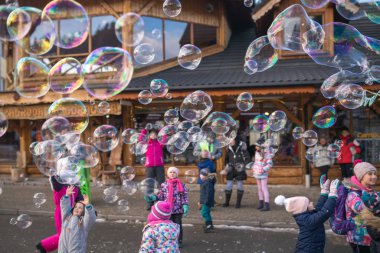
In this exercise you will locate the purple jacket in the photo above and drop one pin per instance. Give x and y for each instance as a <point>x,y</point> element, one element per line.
<point>180,199</point>
<point>154,154</point>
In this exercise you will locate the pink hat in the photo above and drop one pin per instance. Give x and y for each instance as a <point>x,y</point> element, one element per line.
<point>160,211</point>
<point>363,168</point>
<point>294,205</point>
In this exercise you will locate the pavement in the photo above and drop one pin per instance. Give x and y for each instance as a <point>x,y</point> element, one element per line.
<point>17,198</point>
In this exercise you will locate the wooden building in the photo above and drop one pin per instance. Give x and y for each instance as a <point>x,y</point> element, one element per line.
<point>223,30</point>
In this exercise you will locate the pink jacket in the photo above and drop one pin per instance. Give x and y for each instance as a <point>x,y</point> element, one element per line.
<point>154,154</point>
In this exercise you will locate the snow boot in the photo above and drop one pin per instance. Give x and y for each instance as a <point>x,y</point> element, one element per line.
<point>266,207</point>
<point>239,197</point>
<point>208,227</point>
<point>261,205</point>
<point>40,248</point>
<point>228,198</point>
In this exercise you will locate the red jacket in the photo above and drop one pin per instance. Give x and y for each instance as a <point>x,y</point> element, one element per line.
<point>345,153</point>
<point>154,154</point>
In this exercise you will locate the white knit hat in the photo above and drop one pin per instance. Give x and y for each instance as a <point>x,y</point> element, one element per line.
<point>175,169</point>
<point>294,205</point>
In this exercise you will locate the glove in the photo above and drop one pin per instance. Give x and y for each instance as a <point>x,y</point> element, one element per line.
<point>356,143</point>
<point>334,188</point>
<point>325,184</point>
<point>185,210</point>
<point>223,172</point>
<point>147,199</point>
<point>150,198</point>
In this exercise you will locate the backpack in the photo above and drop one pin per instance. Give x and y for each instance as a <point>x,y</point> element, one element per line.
<point>338,221</point>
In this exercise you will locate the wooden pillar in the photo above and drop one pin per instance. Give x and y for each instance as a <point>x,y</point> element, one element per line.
<point>128,115</point>
<point>23,131</point>
<point>220,107</point>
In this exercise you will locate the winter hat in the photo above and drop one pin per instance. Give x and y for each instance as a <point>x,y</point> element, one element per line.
<point>204,172</point>
<point>160,211</point>
<point>363,168</point>
<point>294,205</point>
<point>175,169</point>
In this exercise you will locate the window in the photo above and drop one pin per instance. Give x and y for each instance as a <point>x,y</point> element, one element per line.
<point>204,35</point>
<point>9,146</point>
<point>177,34</point>
<point>103,32</point>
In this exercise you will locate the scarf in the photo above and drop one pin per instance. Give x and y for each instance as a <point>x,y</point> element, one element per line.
<point>171,183</point>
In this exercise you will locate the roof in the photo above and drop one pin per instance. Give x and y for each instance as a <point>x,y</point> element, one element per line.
<point>225,70</point>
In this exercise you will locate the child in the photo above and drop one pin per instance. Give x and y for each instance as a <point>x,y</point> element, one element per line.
<point>76,223</point>
<point>160,234</point>
<point>51,243</point>
<point>205,163</point>
<point>311,237</point>
<point>174,192</point>
<point>261,169</point>
<point>206,199</point>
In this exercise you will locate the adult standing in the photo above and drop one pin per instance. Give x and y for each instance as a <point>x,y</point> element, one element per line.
<point>361,184</point>
<point>349,148</point>
<point>322,162</point>
<point>154,163</point>
<point>236,159</point>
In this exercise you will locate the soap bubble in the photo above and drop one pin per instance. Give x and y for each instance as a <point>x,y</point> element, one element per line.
<point>104,107</point>
<point>159,87</point>
<point>325,117</point>
<point>41,35</point>
<point>73,110</point>
<point>55,126</point>
<point>312,154</point>
<point>169,96</point>
<point>34,148</point>
<point>105,138</point>
<point>350,9</point>
<point>74,27</point>
<point>166,133</point>
<point>130,187</point>
<point>244,101</point>
<point>127,173</point>
<point>297,132</point>
<point>248,3</point>
<point>178,143</point>
<point>130,136</point>
<point>115,65</point>
<point>67,170</point>
<point>31,78</point>
<point>123,205</point>
<point>220,126</point>
<point>189,57</point>
<point>149,186</point>
<point>252,66</point>
<point>88,155</point>
<point>171,116</point>
<point>314,4</point>
<point>195,134</point>
<point>51,150</point>
<point>65,76</point>
<point>309,138</point>
<point>39,199</point>
<point>190,176</point>
<point>185,125</point>
<point>46,168</point>
<point>109,198</point>
<point>16,26</point>
<point>196,106</point>
<point>3,124</point>
<point>139,148</point>
<point>144,53</point>
<point>260,124</point>
<point>69,139</point>
<point>351,96</point>
<point>145,97</point>
<point>261,52</point>
<point>172,8</point>
<point>333,151</point>
<point>23,221</point>
<point>129,29</point>
<point>156,34</point>
<point>221,140</point>
<point>277,120</point>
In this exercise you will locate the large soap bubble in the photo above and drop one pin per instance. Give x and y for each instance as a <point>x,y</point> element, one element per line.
<point>172,8</point>
<point>196,106</point>
<point>51,150</point>
<point>88,155</point>
<point>107,71</point>
<point>351,96</point>
<point>130,136</point>
<point>54,126</point>
<point>129,29</point>
<point>105,138</point>
<point>189,57</point>
<point>195,134</point>
<point>144,53</point>
<point>325,117</point>
<point>260,124</point>
<point>149,186</point>
<point>314,4</point>
<point>166,133</point>
<point>331,84</point>
<point>73,110</point>
<point>277,120</point>
<point>41,36</point>
<point>261,55</point>
<point>31,78</point>
<point>127,173</point>
<point>185,125</point>
<point>224,137</point>
<point>73,22</point>
<point>159,87</point>
<point>171,116</point>
<point>13,27</point>
<point>244,101</point>
<point>178,143</point>
<point>65,76</point>
<point>350,9</point>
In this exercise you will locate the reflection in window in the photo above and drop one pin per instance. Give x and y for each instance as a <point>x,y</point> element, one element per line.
<point>204,35</point>
<point>177,34</point>
<point>103,32</point>
<point>151,24</point>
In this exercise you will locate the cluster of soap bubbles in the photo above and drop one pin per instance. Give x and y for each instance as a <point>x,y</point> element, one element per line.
<point>23,221</point>
<point>309,137</point>
<point>39,199</point>
<point>110,195</point>
<point>275,122</point>
<point>158,88</point>
<point>335,44</point>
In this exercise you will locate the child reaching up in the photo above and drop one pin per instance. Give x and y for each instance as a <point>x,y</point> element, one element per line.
<point>174,192</point>
<point>76,223</point>
<point>310,219</point>
<point>160,234</point>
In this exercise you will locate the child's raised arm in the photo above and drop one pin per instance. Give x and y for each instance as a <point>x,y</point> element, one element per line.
<point>90,216</point>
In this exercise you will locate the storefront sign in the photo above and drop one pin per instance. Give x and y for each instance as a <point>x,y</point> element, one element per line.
<point>368,135</point>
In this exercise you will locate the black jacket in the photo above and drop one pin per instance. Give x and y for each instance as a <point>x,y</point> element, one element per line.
<point>311,237</point>
<point>207,192</point>
<point>236,159</point>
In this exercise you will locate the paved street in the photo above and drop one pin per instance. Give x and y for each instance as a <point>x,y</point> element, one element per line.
<point>118,237</point>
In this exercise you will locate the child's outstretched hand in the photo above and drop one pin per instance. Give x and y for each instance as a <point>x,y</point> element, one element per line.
<point>325,184</point>
<point>86,200</point>
<point>334,188</point>
<point>70,190</point>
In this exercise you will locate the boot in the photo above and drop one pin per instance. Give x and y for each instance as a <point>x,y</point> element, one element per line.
<point>261,206</point>
<point>228,197</point>
<point>239,197</point>
<point>266,207</point>
<point>208,227</point>
<point>40,248</point>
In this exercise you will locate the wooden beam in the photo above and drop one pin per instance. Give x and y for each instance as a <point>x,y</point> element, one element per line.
<point>109,8</point>
<point>289,114</point>
<point>149,5</point>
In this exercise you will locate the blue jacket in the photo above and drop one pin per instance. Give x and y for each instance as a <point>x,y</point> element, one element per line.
<point>311,237</point>
<point>207,192</point>
<point>206,164</point>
